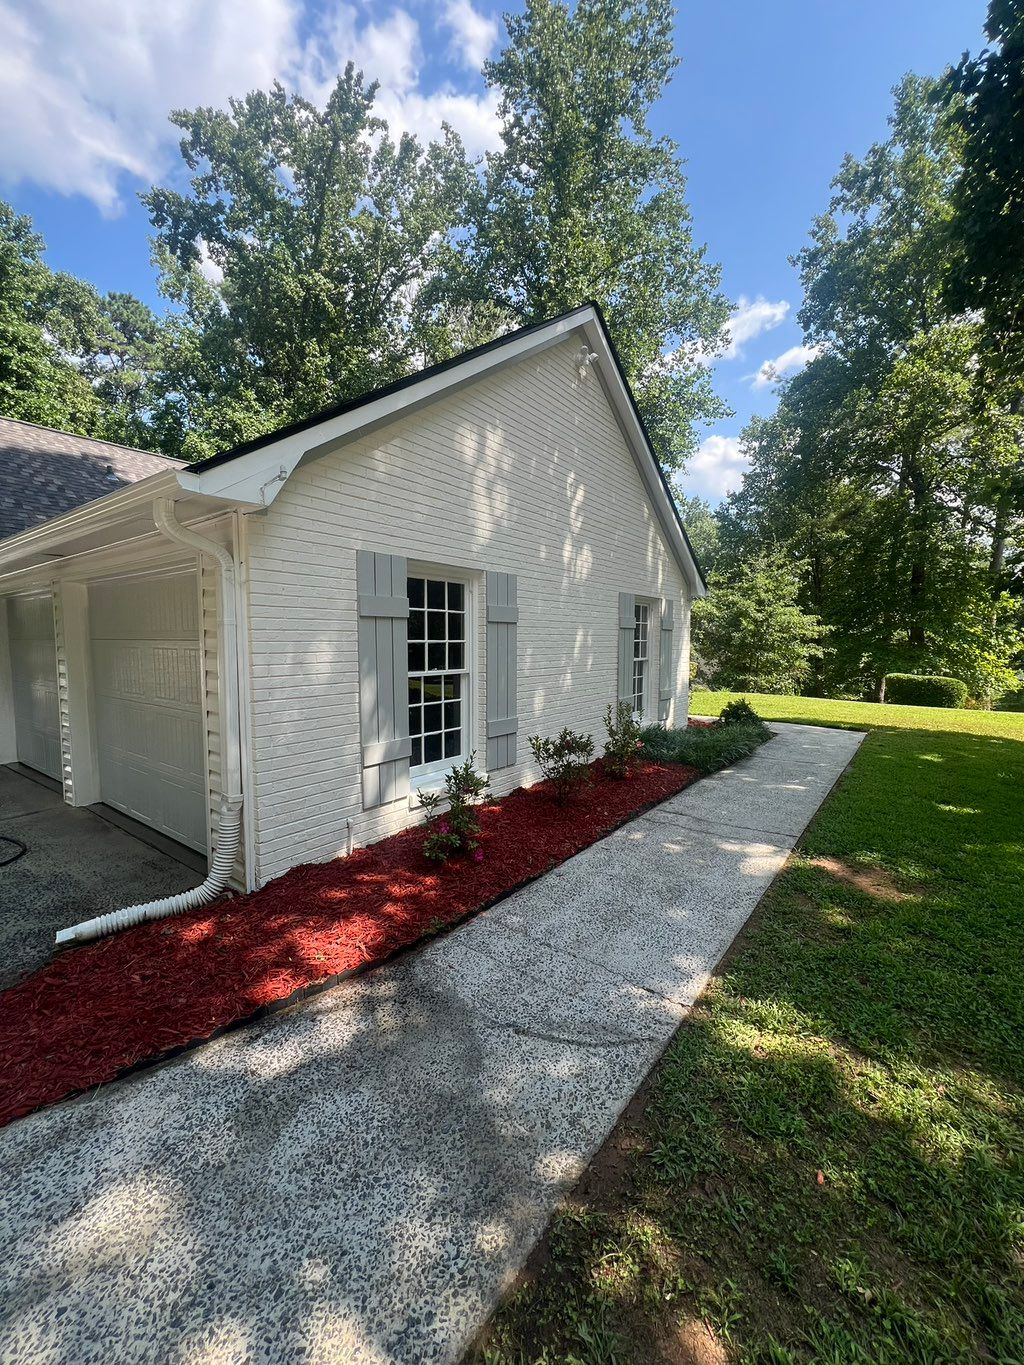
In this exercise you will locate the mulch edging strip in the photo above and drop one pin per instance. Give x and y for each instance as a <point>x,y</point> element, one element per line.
<point>115,1007</point>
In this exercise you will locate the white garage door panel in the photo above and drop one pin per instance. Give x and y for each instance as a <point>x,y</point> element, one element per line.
<point>148,702</point>
<point>34,678</point>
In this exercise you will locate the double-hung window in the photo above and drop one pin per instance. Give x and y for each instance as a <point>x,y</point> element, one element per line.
<point>438,673</point>
<point>641,654</point>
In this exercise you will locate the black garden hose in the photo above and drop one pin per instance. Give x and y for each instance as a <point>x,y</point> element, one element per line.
<point>16,844</point>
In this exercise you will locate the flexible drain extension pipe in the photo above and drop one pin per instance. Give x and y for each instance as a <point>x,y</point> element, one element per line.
<point>229,828</point>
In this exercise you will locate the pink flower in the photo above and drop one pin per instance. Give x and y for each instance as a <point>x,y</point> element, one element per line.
<point>443,827</point>
<point>478,855</point>
<point>639,744</point>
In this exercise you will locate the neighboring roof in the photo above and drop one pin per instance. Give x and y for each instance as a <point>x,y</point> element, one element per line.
<point>44,473</point>
<point>586,313</point>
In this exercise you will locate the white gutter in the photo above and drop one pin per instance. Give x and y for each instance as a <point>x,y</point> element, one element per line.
<point>230,824</point>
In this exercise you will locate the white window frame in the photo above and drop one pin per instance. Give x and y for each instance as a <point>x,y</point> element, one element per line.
<point>432,775</point>
<point>647,606</point>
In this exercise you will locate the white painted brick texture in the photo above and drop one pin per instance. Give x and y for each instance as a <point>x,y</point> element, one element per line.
<point>526,472</point>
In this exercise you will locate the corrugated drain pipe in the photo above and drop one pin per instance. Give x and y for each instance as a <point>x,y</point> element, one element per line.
<point>229,827</point>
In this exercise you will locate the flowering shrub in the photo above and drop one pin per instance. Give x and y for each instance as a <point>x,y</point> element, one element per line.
<point>564,761</point>
<point>624,744</point>
<point>456,829</point>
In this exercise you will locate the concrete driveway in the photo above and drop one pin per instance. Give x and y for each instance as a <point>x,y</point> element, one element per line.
<point>356,1180</point>
<point>77,864</point>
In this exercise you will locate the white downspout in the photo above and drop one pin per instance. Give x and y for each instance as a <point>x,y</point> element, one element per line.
<point>229,827</point>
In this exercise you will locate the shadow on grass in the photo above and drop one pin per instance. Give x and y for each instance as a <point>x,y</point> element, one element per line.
<point>830,1163</point>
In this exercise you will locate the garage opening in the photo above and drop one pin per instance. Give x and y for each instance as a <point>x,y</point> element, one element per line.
<point>34,678</point>
<point>147,690</point>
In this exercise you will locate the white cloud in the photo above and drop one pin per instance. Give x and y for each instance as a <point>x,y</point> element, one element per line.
<point>786,363</point>
<point>473,34</point>
<point>85,89</point>
<point>750,318</point>
<point>715,469</point>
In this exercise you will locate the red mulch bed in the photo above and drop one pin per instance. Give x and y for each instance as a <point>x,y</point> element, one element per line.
<point>98,1010</point>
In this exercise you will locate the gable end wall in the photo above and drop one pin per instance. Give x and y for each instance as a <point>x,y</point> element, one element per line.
<point>524,472</point>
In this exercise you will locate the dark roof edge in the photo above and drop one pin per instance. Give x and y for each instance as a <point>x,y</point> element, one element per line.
<point>372,395</point>
<point>407,381</point>
<point>647,437</point>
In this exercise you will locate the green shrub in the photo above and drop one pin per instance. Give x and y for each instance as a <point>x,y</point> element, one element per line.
<point>913,689</point>
<point>707,749</point>
<point>624,745</point>
<point>454,830</point>
<point>564,761</point>
<point>739,712</point>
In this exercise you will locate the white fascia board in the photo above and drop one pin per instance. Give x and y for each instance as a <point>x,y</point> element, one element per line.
<point>121,508</point>
<point>643,457</point>
<point>257,477</point>
<point>91,516</point>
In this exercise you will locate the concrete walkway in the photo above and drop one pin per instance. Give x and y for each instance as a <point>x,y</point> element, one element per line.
<point>356,1180</point>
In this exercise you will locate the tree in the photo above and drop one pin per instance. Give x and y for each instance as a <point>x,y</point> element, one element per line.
<point>702,531</point>
<point>750,634</point>
<point>584,202</point>
<point>299,258</point>
<point>70,357</point>
<point>37,382</point>
<point>886,471</point>
<point>985,96</point>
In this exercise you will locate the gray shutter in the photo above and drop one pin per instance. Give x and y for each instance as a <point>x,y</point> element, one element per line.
<point>502,631</point>
<point>665,660</point>
<point>383,677</point>
<point>627,627</point>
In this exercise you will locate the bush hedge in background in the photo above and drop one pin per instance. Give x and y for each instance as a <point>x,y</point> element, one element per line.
<point>913,689</point>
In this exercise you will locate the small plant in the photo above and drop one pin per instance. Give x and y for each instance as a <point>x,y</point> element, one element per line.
<point>564,761</point>
<point>624,745</point>
<point>454,830</point>
<point>739,712</point>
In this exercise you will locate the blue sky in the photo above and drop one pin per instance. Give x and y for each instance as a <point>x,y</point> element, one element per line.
<point>768,98</point>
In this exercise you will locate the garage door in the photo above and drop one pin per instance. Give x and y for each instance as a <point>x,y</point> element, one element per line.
<point>34,676</point>
<point>146,685</point>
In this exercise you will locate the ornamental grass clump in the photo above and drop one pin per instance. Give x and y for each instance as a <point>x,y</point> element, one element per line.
<point>707,749</point>
<point>454,830</point>
<point>564,761</point>
<point>624,745</point>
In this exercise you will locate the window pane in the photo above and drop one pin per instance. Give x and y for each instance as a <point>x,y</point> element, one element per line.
<point>417,658</point>
<point>456,625</point>
<point>417,624</point>
<point>451,743</point>
<point>431,689</point>
<point>436,657</point>
<point>452,688</point>
<point>417,754</point>
<point>415,592</point>
<point>435,625</point>
<point>415,690</point>
<point>456,596</point>
<point>432,716</point>
<point>435,592</point>
<point>452,718</point>
<point>456,654</point>
<point>432,748</point>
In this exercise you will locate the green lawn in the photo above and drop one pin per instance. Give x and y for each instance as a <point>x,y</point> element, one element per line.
<point>828,1164</point>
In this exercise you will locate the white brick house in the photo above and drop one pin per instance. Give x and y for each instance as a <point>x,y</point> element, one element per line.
<point>483,551</point>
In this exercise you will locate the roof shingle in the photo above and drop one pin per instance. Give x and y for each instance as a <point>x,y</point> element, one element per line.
<point>45,472</point>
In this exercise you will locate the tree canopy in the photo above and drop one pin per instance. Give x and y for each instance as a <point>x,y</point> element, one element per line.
<point>889,472</point>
